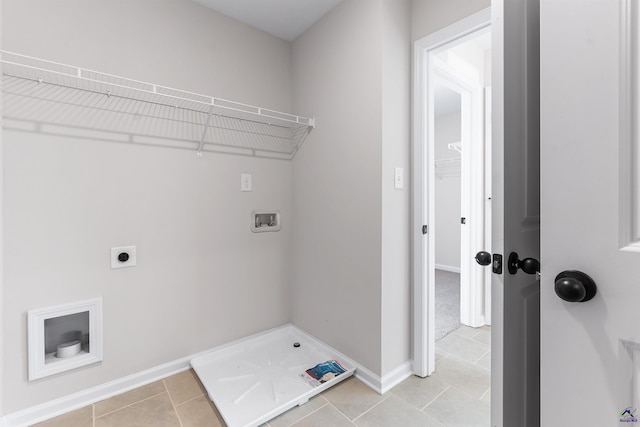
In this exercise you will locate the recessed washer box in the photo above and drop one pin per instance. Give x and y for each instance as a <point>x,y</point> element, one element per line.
<point>64,337</point>
<point>123,256</point>
<point>262,220</point>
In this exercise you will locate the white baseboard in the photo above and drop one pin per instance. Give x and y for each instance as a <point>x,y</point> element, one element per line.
<point>448,268</point>
<point>381,385</point>
<point>396,376</point>
<point>56,407</point>
<point>363,374</point>
<point>370,379</point>
<point>60,406</point>
<point>53,408</point>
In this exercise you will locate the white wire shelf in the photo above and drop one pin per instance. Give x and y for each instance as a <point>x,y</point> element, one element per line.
<point>448,162</point>
<point>51,94</point>
<point>448,167</point>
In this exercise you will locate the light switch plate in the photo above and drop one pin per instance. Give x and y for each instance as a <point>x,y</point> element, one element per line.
<point>130,261</point>
<point>245,182</point>
<point>398,180</point>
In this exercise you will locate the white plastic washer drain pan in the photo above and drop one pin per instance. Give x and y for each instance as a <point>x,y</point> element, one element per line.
<point>257,378</point>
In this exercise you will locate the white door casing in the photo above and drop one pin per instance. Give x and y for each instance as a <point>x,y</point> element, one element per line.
<point>590,210</point>
<point>423,201</point>
<point>487,205</point>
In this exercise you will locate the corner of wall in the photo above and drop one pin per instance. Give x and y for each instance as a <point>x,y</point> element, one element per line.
<point>336,243</point>
<point>396,202</point>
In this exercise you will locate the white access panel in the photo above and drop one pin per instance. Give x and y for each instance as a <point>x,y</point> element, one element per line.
<point>257,378</point>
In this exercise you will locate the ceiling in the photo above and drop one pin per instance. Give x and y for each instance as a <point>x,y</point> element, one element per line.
<point>286,19</point>
<point>447,101</point>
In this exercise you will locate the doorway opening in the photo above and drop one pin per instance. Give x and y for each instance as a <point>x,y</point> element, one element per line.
<point>461,76</point>
<point>452,176</point>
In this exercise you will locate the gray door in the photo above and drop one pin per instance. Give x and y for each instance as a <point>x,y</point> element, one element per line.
<point>590,216</point>
<point>516,213</point>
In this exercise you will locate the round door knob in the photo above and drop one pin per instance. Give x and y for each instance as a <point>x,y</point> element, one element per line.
<point>528,265</point>
<point>483,258</point>
<point>575,286</point>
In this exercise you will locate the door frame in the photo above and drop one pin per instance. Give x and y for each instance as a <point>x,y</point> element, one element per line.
<point>424,179</point>
<point>488,195</point>
<point>472,181</point>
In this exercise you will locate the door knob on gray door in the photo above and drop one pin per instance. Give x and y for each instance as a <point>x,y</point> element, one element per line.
<point>528,265</point>
<point>483,258</point>
<point>575,286</point>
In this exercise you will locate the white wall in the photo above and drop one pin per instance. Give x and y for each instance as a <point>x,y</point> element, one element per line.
<point>448,193</point>
<point>169,42</point>
<point>396,234</point>
<point>337,192</point>
<point>429,16</point>
<point>340,266</point>
<point>351,238</point>
<point>202,278</point>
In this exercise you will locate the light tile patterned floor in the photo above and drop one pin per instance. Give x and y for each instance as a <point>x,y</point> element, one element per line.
<point>456,395</point>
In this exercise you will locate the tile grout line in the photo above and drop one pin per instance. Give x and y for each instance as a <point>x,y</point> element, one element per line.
<point>302,418</point>
<point>437,396</point>
<point>475,335</point>
<point>343,414</point>
<point>482,367</point>
<point>467,392</point>
<point>447,355</point>
<point>173,405</point>
<point>365,412</point>
<point>465,360</point>
<point>188,401</point>
<point>471,340</point>
<point>481,342</point>
<point>435,420</point>
<point>129,405</point>
<point>477,360</point>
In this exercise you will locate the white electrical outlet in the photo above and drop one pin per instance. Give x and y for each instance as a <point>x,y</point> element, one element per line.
<point>124,256</point>
<point>245,182</point>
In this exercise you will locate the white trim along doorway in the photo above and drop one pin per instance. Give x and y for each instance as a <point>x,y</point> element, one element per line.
<point>430,71</point>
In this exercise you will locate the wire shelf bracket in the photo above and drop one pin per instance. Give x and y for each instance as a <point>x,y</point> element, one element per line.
<point>50,94</point>
<point>456,146</point>
<point>204,133</point>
